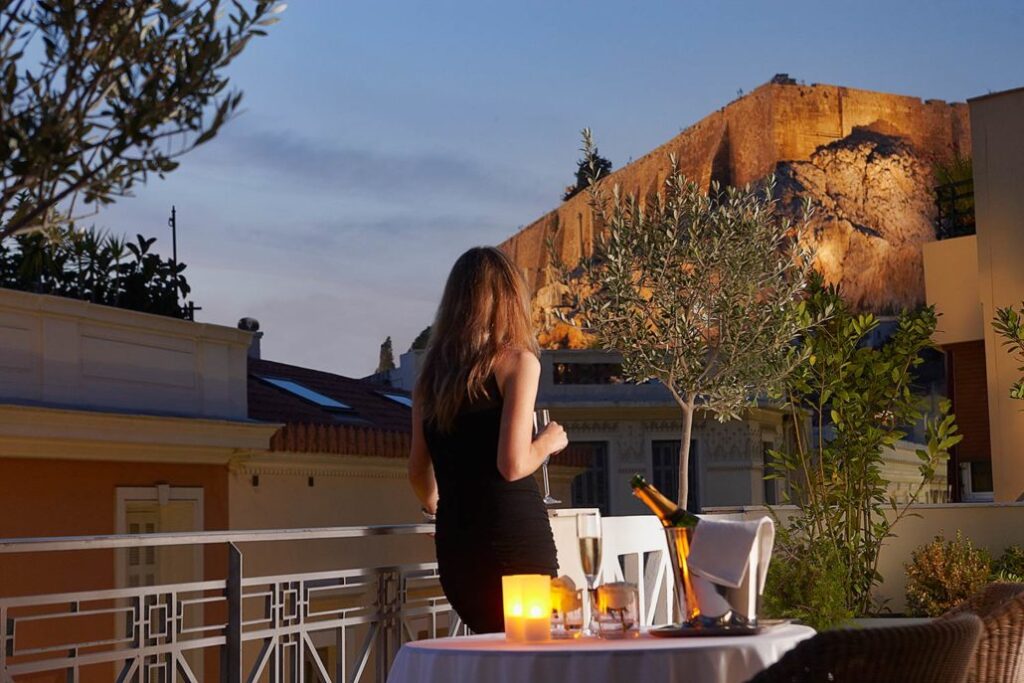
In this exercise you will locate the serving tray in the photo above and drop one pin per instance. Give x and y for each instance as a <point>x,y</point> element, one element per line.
<point>687,631</point>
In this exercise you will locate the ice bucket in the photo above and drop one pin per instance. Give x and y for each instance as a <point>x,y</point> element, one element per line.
<point>700,601</point>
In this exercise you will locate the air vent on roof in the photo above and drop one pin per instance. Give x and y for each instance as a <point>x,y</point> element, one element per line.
<point>307,394</point>
<point>399,398</point>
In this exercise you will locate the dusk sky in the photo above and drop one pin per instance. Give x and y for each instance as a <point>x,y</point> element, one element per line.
<point>379,140</point>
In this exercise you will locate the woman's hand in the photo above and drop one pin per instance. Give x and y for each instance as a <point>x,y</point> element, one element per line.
<point>552,439</point>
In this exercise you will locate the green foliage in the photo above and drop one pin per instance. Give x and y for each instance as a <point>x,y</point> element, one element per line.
<point>591,168</point>
<point>1010,565</point>
<point>858,399</point>
<point>942,574</point>
<point>954,197</point>
<point>96,96</point>
<point>387,357</point>
<point>806,581</point>
<point>700,291</point>
<point>95,267</point>
<point>421,340</point>
<point>1009,323</point>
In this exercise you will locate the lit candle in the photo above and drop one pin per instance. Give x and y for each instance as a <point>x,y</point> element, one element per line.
<point>527,601</point>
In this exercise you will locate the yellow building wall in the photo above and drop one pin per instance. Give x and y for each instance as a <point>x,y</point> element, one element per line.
<point>951,285</point>
<point>997,127</point>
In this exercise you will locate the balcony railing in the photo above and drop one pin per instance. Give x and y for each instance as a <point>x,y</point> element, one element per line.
<point>332,625</point>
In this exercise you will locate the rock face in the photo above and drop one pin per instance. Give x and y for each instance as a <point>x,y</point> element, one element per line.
<point>863,156</point>
<point>873,212</point>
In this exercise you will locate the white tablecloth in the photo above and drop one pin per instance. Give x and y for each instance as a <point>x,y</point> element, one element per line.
<point>489,659</point>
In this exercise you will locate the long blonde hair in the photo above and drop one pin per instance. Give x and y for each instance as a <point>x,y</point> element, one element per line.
<point>484,310</point>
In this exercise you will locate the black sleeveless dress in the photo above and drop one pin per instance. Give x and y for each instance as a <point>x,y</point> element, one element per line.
<point>487,527</point>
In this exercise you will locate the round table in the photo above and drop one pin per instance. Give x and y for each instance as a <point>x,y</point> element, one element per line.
<point>490,659</point>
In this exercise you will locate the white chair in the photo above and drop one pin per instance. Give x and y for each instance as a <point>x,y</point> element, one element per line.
<point>633,549</point>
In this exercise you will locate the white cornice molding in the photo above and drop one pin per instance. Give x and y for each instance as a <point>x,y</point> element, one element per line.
<point>38,432</point>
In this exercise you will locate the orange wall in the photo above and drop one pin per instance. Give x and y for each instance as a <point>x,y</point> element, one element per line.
<point>73,498</point>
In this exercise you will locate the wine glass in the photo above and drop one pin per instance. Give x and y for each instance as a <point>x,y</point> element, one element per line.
<point>588,532</point>
<point>541,418</point>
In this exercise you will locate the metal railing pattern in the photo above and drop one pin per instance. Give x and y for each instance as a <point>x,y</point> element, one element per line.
<point>333,626</point>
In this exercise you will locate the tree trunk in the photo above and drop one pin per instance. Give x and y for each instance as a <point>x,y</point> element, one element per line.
<point>684,452</point>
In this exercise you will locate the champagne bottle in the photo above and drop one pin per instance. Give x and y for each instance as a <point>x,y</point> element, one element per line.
<point>670,514</point>
<point>673,517</point>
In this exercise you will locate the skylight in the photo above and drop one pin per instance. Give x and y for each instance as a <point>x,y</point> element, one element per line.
<point>306,393</point>
<point>400,398</point>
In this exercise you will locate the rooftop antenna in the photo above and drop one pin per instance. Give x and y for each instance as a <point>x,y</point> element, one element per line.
<point>173,223</point>
<point>190,307</point>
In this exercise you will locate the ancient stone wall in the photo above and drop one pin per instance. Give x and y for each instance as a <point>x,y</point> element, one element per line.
<point>745,141</point>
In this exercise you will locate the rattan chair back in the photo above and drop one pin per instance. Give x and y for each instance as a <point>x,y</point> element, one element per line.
<point>938,651</point>
<point>1000,654</point>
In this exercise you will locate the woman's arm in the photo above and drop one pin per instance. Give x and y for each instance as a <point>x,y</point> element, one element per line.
<point>519,454</point>
<point>421,469</point>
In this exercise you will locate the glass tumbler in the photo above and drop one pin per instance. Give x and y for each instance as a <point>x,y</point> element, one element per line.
<point>617,610</point>
<point>567,613</point>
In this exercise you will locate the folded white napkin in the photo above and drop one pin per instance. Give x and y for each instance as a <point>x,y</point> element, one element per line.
<point>722,550</point>
<point>733,557</point>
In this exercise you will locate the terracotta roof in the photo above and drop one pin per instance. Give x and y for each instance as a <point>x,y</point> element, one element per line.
<point>370,408</point>
<point>342,440</point>
<point>375,425</point>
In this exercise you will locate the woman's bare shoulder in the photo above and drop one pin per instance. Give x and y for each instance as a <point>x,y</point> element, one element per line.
<point>512,362</point>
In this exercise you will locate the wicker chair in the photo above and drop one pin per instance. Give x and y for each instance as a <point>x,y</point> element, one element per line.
<point>1000,654</point>
<point>939,651</point>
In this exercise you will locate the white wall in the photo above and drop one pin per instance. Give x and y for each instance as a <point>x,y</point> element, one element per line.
<point>992,526</point>
<point>70,353</point>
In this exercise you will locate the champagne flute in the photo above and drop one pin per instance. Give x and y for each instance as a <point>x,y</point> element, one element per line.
<point>541,418</point>
<point>588,532</point>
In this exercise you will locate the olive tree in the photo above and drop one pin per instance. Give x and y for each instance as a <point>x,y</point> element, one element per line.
<point>699,290</point>
<point>96,95</point>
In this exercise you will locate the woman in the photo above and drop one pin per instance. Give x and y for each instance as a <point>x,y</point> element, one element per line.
<point>473,451</point>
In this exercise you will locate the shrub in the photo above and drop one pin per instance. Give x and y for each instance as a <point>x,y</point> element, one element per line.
<point>851,399</point>
<point>94,266</point>
<point>1010,565</point>
<point>807,582</point>
<point>942,574</point>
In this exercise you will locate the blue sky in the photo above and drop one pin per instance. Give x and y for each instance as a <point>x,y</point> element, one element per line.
<point>381,139</point>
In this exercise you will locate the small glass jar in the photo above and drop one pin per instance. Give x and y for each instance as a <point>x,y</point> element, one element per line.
<point>617,610</point>
<point>566,613</point>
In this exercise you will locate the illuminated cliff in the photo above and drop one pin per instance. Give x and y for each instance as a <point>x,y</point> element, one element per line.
<point>863,157</point>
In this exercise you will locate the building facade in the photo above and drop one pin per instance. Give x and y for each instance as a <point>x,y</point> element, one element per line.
<point>967,278</point>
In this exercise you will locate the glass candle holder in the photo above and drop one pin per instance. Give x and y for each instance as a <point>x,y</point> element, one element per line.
<point>566,612</point>
<point>527,605</point>
<point>617,611</point>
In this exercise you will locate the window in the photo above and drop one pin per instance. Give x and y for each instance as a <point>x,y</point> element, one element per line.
<point>665,471</point>
<point>306,393</point>
<point>590,489</point>
<point>976,481</point>
<point>142,566</point>
<point>588,373</point>
<point>154,510</point>
<point>400,399</point>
